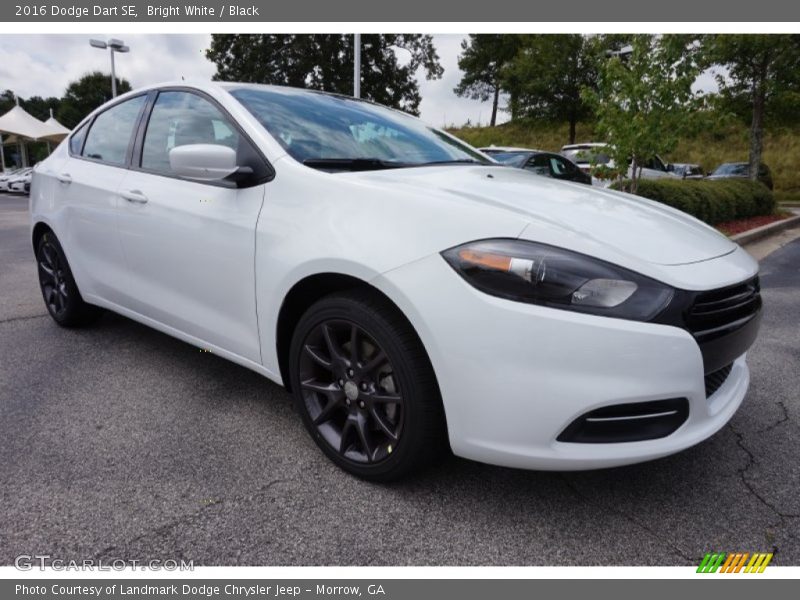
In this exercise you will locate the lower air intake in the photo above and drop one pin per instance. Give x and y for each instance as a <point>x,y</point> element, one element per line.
<point>715,380</point>
<point>628,422</point>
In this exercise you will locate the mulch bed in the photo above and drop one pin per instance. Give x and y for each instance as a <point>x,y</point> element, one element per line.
<point>741,225</point>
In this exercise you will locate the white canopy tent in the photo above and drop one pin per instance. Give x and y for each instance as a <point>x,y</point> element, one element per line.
<point>59,131</point>
<point>22,126</point>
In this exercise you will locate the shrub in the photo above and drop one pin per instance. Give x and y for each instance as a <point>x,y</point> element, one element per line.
<point>712,201</point>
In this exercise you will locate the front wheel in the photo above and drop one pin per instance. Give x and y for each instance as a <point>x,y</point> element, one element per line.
<point>365,388</point>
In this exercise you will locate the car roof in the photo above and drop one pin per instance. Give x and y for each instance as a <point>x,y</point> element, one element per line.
<point>509,149</point>
<point>214,87</point>
<point>584,145</point>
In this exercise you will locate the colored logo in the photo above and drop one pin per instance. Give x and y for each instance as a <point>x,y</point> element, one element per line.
<point>735,562</point>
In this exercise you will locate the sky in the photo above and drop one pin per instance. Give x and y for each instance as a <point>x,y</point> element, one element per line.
<point>43,65</point>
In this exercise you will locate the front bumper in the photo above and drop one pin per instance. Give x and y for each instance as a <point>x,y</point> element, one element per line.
<point>513,376</point>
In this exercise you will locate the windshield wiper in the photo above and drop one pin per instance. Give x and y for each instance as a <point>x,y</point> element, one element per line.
<point>353,164</point>
<point>462,161</point>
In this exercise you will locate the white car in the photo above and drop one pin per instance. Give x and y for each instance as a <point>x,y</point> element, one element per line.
<point>408,291</point>
<point>594,154</point>
<point>7,178</point>
<point>21,183</point>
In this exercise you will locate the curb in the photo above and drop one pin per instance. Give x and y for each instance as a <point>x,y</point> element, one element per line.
<point>759,233</point>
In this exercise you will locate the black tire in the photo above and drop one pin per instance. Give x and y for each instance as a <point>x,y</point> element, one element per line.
<point>366,447</point>
<point>59,291</point>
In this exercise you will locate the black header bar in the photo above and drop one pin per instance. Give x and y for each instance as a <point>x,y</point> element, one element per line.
<point>440,11</point>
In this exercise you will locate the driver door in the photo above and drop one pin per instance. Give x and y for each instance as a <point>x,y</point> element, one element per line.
<point>189,246</point>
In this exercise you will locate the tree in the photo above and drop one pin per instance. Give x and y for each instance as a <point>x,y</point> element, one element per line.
<point>7,101</point>
<point>765,69</point>
<point>549,74</point>
<point>644,98</point>
<point>325,62</point>
<point>40,107</point>
<point>482,60</point>
<point>86,94</point>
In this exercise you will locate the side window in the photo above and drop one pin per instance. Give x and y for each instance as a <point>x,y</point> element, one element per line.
<point>111,132</point>
<point>181,118</point>
<point>76,141</point>
<point>560,167</point>
<point>539,164</point>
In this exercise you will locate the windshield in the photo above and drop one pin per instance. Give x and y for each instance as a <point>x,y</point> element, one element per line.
<point>731,169</point>
<point>347,133</point>
<point>595,156</point>
<point>512,159</point>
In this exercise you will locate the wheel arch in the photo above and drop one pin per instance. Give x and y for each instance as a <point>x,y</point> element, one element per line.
<point>38,231</point>
<point>307,291</point>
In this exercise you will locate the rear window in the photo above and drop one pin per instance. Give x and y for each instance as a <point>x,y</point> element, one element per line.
<point>76,141</point>
<point>513,159</point>
<point>111,132</point>
<point>732,169</point>
<point>595,156</point>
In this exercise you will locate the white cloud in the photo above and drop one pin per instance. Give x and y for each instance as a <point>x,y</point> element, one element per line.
<point>440,106</point>
<point>43,65</point>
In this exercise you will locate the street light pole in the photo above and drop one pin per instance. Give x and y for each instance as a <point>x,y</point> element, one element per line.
<point>113,76</point>
<point>113,45</point>
<point>357,66</point>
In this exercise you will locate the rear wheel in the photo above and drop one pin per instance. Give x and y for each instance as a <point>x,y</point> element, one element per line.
<point>60,293</point>
<point>365,388</point>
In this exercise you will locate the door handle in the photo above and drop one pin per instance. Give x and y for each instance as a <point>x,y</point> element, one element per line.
<point>134,196</point>
<point>64,178</point>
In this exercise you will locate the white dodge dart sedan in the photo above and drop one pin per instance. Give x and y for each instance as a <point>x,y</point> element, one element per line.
<point>409,291</point>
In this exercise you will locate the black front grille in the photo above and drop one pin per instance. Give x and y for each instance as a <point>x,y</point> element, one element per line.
<point>724,322</point>
<point>632,422</point>
<point>717,311</point>
<point>715,380</point>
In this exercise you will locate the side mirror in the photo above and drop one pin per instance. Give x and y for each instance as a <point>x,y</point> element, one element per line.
<point>203,162</point>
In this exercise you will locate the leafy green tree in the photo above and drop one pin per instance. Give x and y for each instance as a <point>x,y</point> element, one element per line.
<point>548,76</point>
<point>40,107</point>
<point>84,95</point>
<point>762,71</point>
<point>644,99</point>
<point>7,101</point>
<point>325,62</point>
<point>482,59</point>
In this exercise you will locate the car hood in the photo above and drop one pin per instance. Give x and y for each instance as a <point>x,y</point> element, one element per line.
<point>573,215</point>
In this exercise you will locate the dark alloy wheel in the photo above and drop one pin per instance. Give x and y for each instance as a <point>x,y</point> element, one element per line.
<point>365,387</point>
<point>52,279</point>
<point>60,293</point>
<point>350,391</point>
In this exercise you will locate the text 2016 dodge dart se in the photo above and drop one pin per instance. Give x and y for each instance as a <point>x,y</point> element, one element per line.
<point>408,290</point>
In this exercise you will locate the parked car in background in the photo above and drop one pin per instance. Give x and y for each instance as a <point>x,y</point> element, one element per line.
<point>412,293</point>
<point>16,182</point>
<point>7,176</point>
<point>547,164</point>
<point>21,183</point>
<point>741,170</point>
<point>594,156</point>
<point>686,171</point>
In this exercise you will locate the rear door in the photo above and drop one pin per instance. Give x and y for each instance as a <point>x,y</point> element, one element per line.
<point>86,189</point>
<point>190,246</point>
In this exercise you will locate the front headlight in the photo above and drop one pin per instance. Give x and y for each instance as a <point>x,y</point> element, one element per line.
<point>549,276</point>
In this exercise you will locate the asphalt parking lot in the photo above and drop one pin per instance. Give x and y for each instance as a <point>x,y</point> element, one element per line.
<point>120,442</point>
